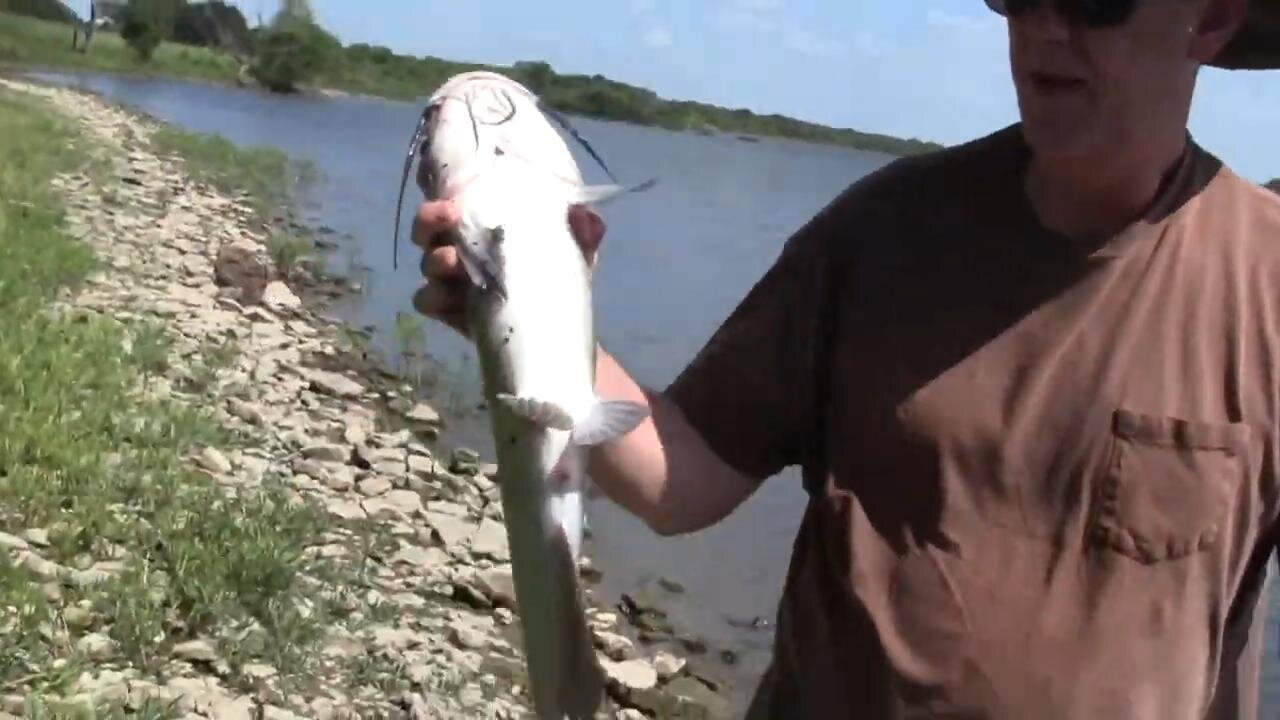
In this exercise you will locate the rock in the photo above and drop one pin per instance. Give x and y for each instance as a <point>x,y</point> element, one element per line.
<point>390,468</point>
<point>466,637</point>
<point>617,647</point>
<point>326,453</point>
<point>420,557</point>
<point>96,646</point>
<point>271,712</point>
<point>278,295</point>
<point>667,665</point>
<point>464,461</point>
<point>443,507</point>
<point>258,671</point>
<point>334,384</point>
<point>422,413</point>
<point>498,586</point>
<point>197,650</point>
<point>340,478</point>
<point>630,676</point>
<point>423,465</point>
<point>490,541</point>
<point>692,643</point>
<point>214,461</point>
<point>630,714</point>
<point>231,708</point>
<point>406,501</point>
<point>670,585</point>
<point>464,593</point>
<point>706,673</point>
<point>408,600</point>
<point>389,638</point>
<point>684,699</point>
<point>37,536</point>
<point>470,695</point>
<point>355,433</point>
<point>248,412</point>
<point>12,542</point>
<point>374,486</point>
<point>451,530</point>
<point>78,617</point>
<point>45,569</point>
<point>346,509</point>
<point>238,267</point>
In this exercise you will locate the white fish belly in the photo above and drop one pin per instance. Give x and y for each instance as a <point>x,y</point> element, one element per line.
<point>538,344</point>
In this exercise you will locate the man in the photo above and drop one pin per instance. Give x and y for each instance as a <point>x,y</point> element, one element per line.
<point>1033,383</point>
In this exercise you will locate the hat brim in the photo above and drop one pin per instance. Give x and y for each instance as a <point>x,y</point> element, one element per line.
<point>1257,45</point>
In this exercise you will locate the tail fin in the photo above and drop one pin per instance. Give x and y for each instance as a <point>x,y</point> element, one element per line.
<point>566,680</point>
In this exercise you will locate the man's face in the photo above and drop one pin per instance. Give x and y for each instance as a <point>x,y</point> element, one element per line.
<point>1089,92</point>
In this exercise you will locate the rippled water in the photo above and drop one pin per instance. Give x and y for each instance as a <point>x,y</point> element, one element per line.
<point>675,261</point>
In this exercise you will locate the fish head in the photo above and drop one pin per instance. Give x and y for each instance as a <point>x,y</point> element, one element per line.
<point>475,118</point>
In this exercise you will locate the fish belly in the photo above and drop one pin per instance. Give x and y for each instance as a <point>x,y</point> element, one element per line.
<point>532,344</point>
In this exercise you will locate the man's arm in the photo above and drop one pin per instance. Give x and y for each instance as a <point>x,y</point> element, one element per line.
<point>663,472</point>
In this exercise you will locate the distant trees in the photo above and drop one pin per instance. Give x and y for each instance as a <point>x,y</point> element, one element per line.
<point>213,24</point>
<point>145,23</point>
<point>1274,185</point>
<point>293,49</point>
<point>43,9</point>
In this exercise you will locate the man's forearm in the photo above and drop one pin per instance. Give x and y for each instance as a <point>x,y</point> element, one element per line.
<point>662,472</point>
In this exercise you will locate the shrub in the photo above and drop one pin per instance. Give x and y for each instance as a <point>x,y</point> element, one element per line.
<point>292,52</point>
<point>142,33</point>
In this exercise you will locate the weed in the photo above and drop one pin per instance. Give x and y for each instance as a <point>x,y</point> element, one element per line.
<point>102,467</point>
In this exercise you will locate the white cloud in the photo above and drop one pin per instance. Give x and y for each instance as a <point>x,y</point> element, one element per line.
<point>658,36</point>
<point>812,44</point>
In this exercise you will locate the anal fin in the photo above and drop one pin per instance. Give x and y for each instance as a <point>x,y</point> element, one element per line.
<point>539,412</point>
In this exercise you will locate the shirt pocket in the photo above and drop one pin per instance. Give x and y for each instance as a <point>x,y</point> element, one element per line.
<point>1167,485</point>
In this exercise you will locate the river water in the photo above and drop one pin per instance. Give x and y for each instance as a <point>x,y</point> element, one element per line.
<point>675,261</point>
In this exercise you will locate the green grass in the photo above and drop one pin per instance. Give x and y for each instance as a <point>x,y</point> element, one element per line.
<point>31,41</point>
<point>87,457</point>
<point>265,176</point>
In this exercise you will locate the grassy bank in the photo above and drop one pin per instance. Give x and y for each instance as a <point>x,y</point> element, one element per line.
<point>114,544</point>
<point>30,41</point>
<point>377,71</point>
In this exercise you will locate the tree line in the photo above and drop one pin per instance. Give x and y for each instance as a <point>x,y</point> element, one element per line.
<point>292,51</point>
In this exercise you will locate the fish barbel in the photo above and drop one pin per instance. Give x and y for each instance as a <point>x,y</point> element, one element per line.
<point>486,144</point>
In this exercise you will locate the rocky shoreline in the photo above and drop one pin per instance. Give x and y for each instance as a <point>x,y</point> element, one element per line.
<point>415,531</point>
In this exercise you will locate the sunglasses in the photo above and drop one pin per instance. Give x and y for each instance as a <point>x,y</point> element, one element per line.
<point>1085,13</point>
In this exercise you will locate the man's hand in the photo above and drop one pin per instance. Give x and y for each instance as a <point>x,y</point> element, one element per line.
<point>444,297</point>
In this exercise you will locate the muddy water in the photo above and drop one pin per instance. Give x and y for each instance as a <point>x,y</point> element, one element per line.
<point>675,261</point>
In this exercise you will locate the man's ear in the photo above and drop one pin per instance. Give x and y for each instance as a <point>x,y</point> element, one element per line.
<point>1218,22</point>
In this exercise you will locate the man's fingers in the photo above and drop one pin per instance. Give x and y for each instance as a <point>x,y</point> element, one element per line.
<point>432,221</point>
<point>444,304</point>
<point>441,264</point>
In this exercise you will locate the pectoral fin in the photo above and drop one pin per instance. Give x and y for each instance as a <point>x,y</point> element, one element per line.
<point>601,194</point>
<point>539,412</point>
<point>608,420</point>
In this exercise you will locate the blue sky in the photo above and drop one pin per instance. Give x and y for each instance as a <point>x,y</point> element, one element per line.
<point>934,69</point>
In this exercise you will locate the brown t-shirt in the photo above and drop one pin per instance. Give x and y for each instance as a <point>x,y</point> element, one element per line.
<point>1042,473</point>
